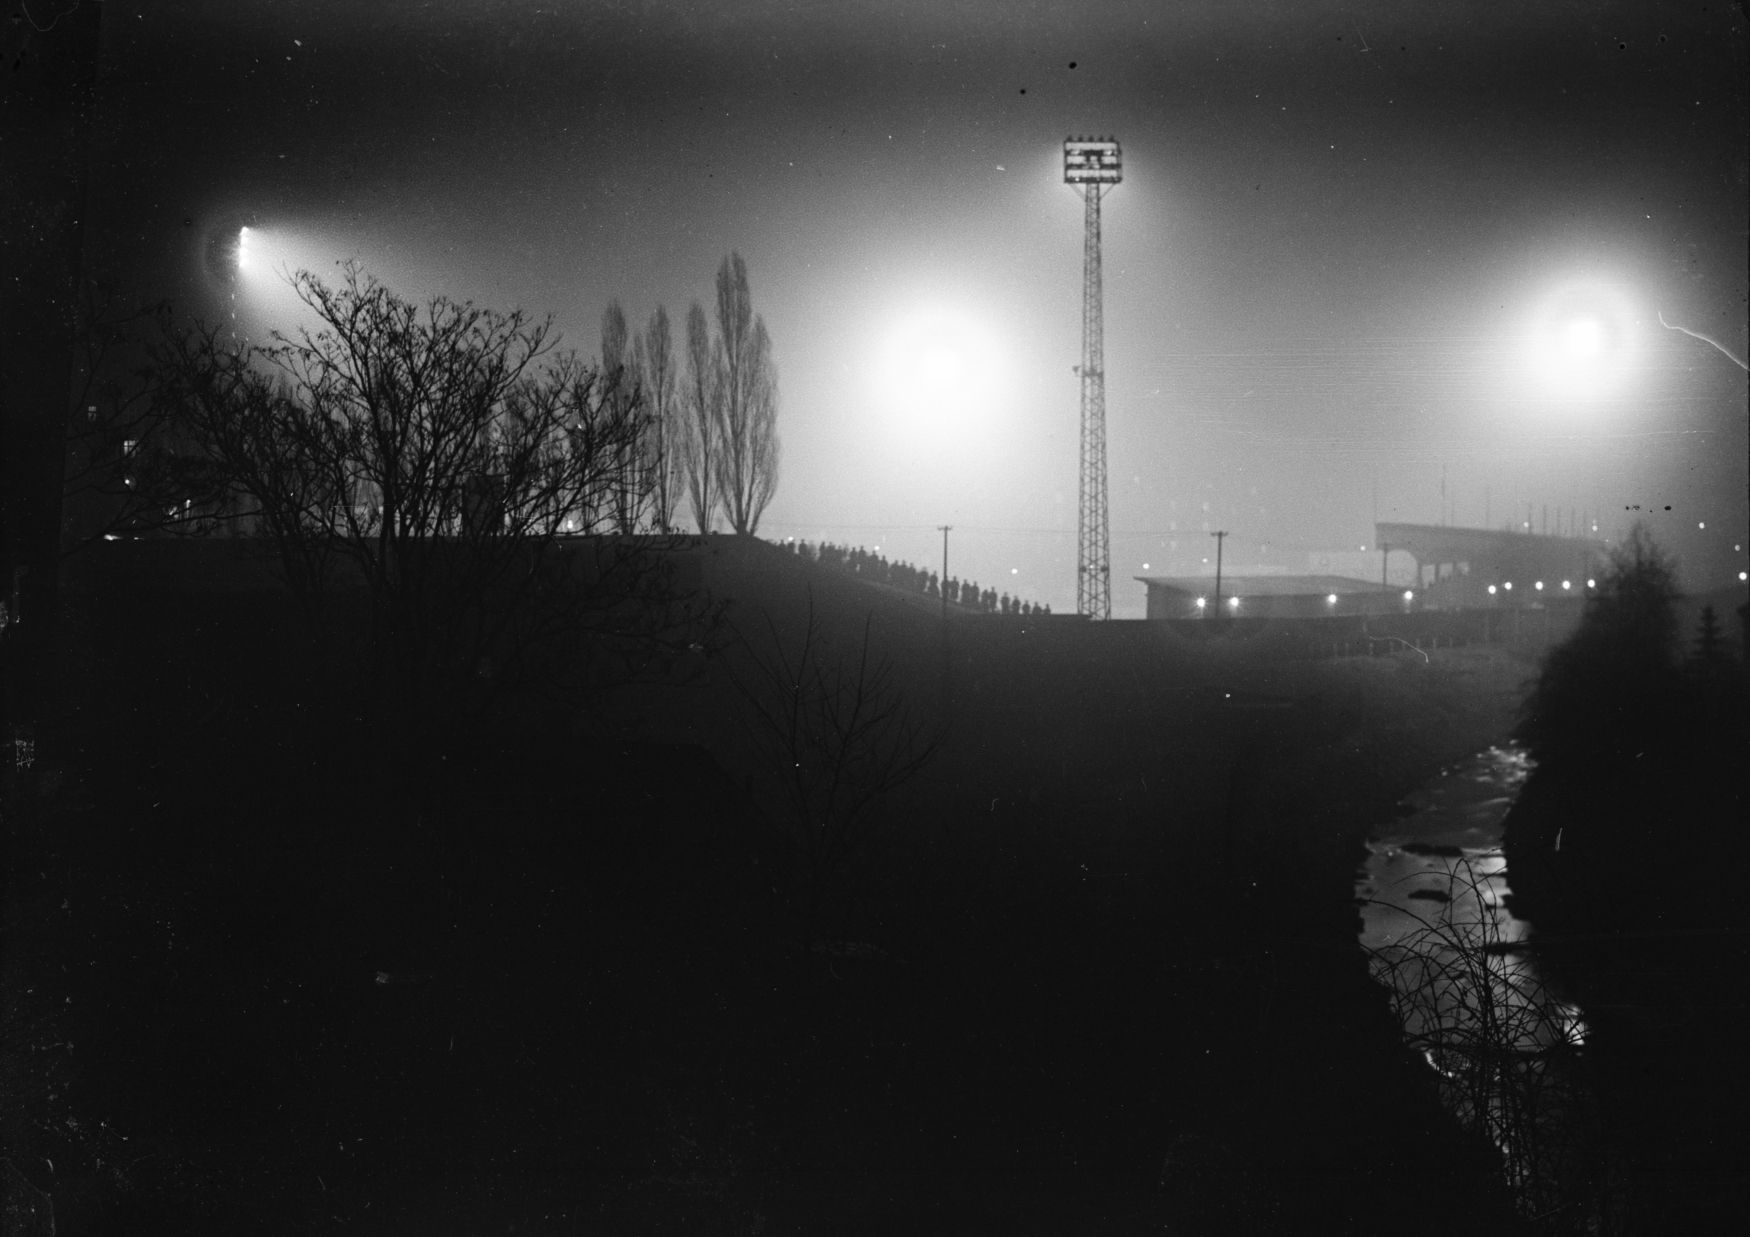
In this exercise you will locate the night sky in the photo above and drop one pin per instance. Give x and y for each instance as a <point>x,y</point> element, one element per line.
<point>1346,235</point>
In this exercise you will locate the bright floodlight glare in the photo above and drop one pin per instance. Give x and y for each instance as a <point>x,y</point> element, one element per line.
<point>1331,600</point>
<point>939,365</point>
<point>1581,340</point>
<point>1409,596</point>
<point>243,254</point>
<point>939,375</point>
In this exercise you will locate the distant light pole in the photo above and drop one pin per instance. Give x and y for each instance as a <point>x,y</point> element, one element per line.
<point>944,584</point>
<point>1219,536</point>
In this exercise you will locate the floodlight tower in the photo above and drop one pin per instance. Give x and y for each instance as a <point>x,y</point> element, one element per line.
<point>1091,166</point>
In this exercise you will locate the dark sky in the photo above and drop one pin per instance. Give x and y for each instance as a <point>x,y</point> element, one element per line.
<point>1343,231</point>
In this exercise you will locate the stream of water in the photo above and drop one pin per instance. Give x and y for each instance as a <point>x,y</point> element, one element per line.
<point>1501,1044</point>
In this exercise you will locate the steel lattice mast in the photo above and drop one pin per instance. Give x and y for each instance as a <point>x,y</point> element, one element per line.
<point>1091,166</point>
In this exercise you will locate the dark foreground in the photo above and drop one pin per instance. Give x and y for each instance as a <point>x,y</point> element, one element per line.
<point>274,974</point>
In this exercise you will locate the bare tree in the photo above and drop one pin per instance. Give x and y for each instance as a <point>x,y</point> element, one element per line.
<point>654,354</point>
<point>747,402</point>
<point>437,455</point>
<point>613,339</point>
<point>703,382</point>
<point>620,376</point>
<point>836,732</point>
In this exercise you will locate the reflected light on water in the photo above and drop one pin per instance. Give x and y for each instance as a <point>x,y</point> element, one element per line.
<point>1467,992</point>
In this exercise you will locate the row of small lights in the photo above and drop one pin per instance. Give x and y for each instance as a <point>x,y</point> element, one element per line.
<point>1410,595</point>
<point>1330,599</point>
<point>1566,584</point>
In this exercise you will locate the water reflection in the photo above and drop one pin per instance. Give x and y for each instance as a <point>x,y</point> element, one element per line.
<point>1438,934</point>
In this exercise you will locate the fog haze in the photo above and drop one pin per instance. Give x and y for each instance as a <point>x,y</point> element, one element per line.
<point>1339,229</point>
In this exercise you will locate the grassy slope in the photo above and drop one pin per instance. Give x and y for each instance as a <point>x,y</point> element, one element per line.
<point>1115,985</point>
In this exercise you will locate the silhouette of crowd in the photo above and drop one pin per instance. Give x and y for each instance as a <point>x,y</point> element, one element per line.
<point>868,565</point>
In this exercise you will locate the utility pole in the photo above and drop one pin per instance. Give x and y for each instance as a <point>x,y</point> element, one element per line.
<point>1219,538</point>
<point>944,589</point>
<point>1091,166</point>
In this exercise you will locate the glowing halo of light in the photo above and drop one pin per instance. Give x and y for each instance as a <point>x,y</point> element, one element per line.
<point>938,376</point>
<point>1582,341</point>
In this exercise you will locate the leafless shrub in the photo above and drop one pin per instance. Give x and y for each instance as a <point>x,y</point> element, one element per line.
<point>836,736</point>
<point>1506,1051</point>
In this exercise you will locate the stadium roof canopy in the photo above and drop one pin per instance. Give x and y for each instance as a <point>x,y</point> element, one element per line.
<point>1268,586</point>
<point>1440,543</point>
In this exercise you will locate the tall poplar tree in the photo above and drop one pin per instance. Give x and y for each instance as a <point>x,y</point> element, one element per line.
<point>747,402</point>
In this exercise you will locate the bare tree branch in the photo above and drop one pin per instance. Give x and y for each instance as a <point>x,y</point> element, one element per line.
<point>836,733</point>
<point>444,462</point>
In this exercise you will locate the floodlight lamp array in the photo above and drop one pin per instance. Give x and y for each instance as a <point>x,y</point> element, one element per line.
<point>1092,161</point>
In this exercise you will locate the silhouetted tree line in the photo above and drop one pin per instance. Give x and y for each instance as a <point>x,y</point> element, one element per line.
<point>710,430</point>
<point>441,455</point>
<point>913,579</point>
<point>1622,688</point>
<point>1626,848</point>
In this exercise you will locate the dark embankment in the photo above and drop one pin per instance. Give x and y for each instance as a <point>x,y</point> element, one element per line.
<point>1628,851</point>
<point>1092,969</point>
